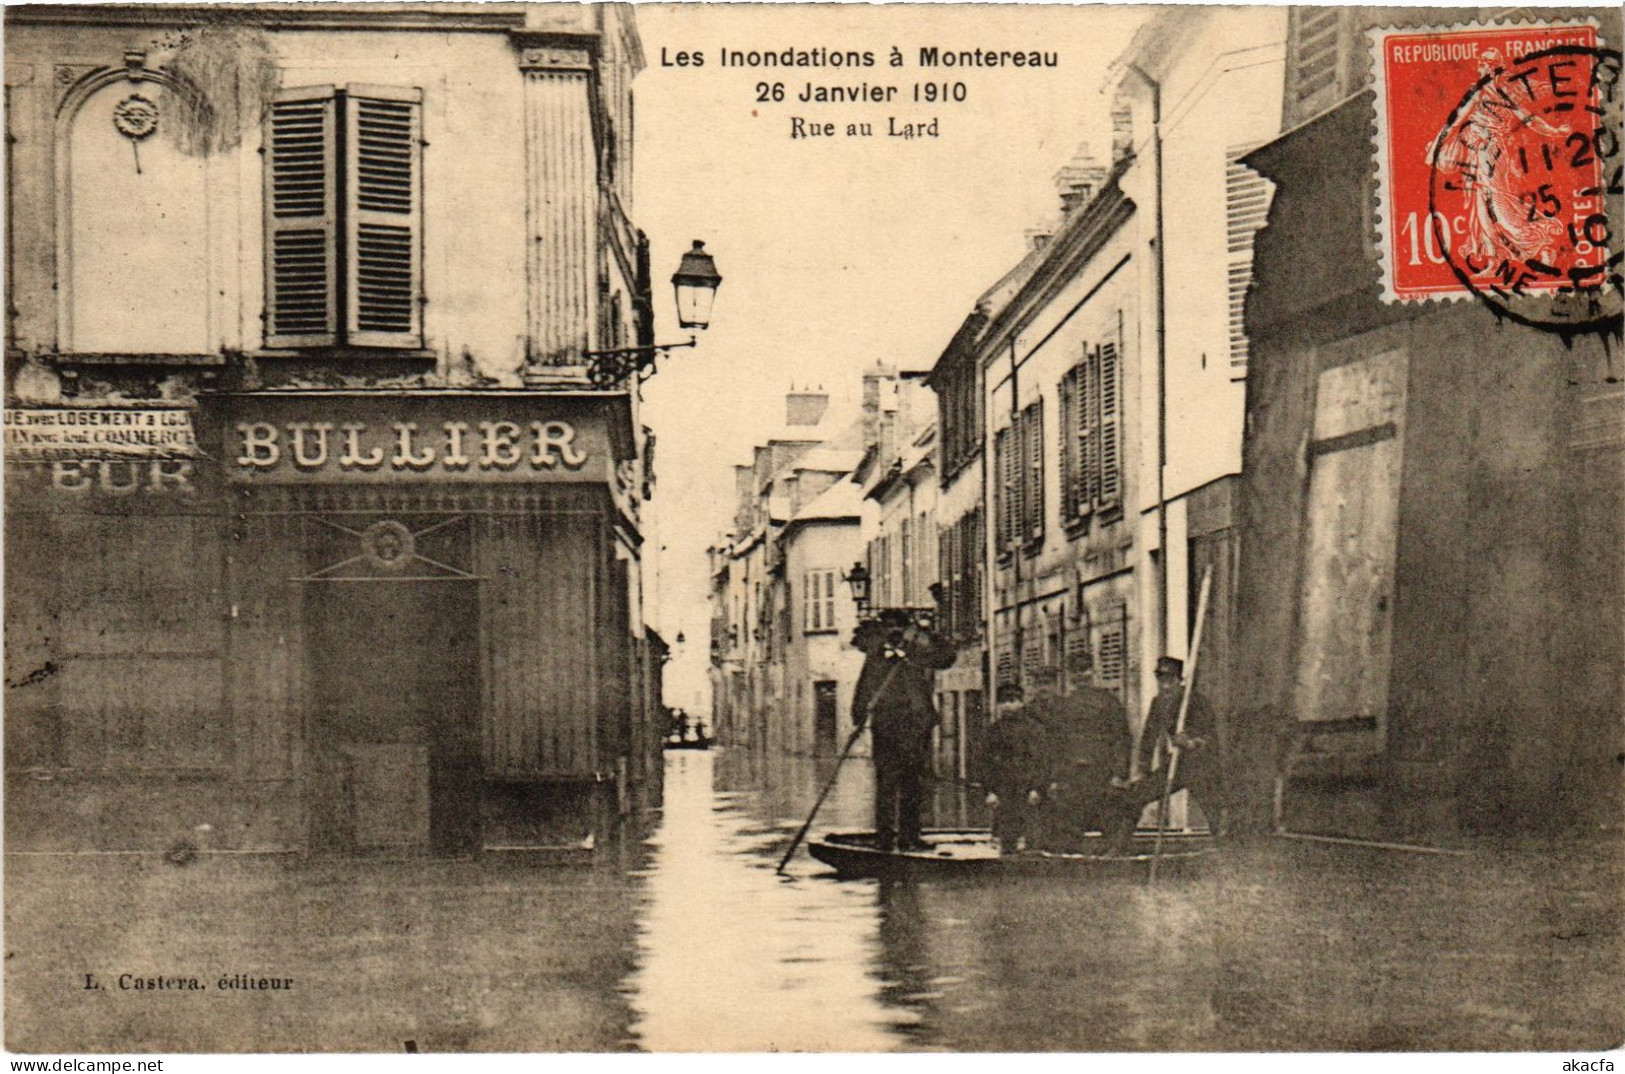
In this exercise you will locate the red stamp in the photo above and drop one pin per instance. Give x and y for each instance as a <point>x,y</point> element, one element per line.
<point>1495,157</point>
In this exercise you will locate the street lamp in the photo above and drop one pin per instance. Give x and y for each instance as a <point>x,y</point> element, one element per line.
<point>695,282</point>
<point>858,579</point>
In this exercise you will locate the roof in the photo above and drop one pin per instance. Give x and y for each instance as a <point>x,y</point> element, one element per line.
<point>841,501</point>
<point>827,460</point>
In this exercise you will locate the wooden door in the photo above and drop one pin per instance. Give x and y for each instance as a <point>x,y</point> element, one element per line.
<point>394,741</point>
<point>1351,535</point>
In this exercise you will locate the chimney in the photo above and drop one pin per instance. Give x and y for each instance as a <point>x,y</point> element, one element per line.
<point>805,407</point>
<point>1079,179</point>
<point>1122,129</point>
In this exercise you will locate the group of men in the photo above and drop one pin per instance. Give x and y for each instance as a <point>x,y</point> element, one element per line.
<point>1062,762</point>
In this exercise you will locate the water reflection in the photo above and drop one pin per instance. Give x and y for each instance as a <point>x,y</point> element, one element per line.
<point>731,955</point>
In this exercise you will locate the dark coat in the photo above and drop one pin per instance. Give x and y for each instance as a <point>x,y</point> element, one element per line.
<point>895,688</point>
<point>1089,737</point>
<point>1199,723</point>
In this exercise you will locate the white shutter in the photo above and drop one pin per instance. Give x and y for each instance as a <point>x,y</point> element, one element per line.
<point>301,213</point>
<point>1247,205</point>
<point>383,158</point>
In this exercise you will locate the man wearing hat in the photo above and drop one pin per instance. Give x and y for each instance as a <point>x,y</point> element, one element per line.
<point>1198,743</point>
<point>894,698</point>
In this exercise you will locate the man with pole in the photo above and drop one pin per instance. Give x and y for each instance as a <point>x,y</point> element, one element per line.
<point>894,697</point>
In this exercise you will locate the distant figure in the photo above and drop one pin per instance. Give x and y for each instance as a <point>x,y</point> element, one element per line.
<point>894,698</point>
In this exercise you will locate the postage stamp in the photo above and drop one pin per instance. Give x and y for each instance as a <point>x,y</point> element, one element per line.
<point>1496,154</point>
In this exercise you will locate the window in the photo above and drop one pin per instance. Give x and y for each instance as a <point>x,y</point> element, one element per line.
<point>1091,435</point>
<point>1018,459</point>
<point>1032,443</point>
<point>343,244</point>
<point>818,601</point>
<point>1319,43</point>
<point>961,548</point>
<point>960,414</point>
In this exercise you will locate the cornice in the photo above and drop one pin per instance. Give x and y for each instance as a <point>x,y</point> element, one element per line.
<point>1079,241</point>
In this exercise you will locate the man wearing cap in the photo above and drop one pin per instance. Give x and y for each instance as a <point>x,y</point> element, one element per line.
<point>1198,744</point>
<point>894,698</point>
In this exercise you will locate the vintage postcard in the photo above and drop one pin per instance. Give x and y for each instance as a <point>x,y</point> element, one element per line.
<point>594,528</point>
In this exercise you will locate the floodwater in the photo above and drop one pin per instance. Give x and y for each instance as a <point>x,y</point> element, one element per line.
<point>1279,947</point>
<point>690,940</point>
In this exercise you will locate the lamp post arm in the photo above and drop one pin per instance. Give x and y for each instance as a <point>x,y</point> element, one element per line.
<point>608,369</point>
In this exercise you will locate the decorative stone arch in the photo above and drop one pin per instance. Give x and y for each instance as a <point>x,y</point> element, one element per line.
<point>78,93</point>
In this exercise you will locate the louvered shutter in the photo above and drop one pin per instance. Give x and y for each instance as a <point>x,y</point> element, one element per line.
<point>1070,443</point>
<point>1110,431</point>
<point>1247,204</point>
<point>1089,427</point>
<point>383,157</point>
<point>301,213</point>
<point>1004,492</point>
<point>1033,500</point>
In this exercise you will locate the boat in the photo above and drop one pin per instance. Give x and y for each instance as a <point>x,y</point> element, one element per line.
<point>973,852</point>
<point>675,743</point>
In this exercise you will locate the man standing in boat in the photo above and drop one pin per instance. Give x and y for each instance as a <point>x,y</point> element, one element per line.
<point>1199,753</point>
<point>894,698</point>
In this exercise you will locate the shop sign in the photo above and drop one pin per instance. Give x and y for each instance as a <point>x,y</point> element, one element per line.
<point>41,434</point>
<point>448,440</point>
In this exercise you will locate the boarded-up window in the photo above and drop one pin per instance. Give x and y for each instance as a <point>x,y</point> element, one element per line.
<point>344,218</point>
<point>1344,648</point>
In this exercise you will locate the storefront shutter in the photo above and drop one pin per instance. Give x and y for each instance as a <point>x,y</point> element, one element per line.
<point>301,211</point>
<point>383,157</point>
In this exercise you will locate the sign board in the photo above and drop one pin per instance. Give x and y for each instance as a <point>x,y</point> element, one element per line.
<point>57,433</point>
<point>355,439</point>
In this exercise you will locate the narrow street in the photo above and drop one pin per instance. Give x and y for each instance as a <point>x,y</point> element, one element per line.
<point>693,942</point>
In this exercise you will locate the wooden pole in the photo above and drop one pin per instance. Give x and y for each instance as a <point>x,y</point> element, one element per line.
<point>1179,724</point>
<point>852,740</point>
<point>829,785</point>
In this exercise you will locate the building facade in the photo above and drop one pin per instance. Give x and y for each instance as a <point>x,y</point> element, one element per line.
<point>1450,662</point>
<point>317,532</point>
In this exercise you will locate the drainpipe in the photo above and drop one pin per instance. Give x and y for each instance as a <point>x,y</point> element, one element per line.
<point>1162,358</point>
<point>1016,635</point>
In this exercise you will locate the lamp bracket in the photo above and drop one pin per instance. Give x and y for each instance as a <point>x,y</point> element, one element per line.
<point>611,369</point>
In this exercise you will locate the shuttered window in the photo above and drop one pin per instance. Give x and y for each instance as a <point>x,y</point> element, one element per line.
<point>1006,495</point>
<point>818,601</point>
<point>344,218</point>
<point>1109,428</point>
<point>1092,434</point>
<point>1032,443</point>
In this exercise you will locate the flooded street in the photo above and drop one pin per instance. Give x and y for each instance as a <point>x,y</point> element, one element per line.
<point>692,941</point>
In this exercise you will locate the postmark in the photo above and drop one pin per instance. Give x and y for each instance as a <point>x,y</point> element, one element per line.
<point>1497,156</point>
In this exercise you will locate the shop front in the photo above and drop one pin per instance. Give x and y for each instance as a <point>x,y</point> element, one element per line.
<point>431,619</point>
<point>337,621</point>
